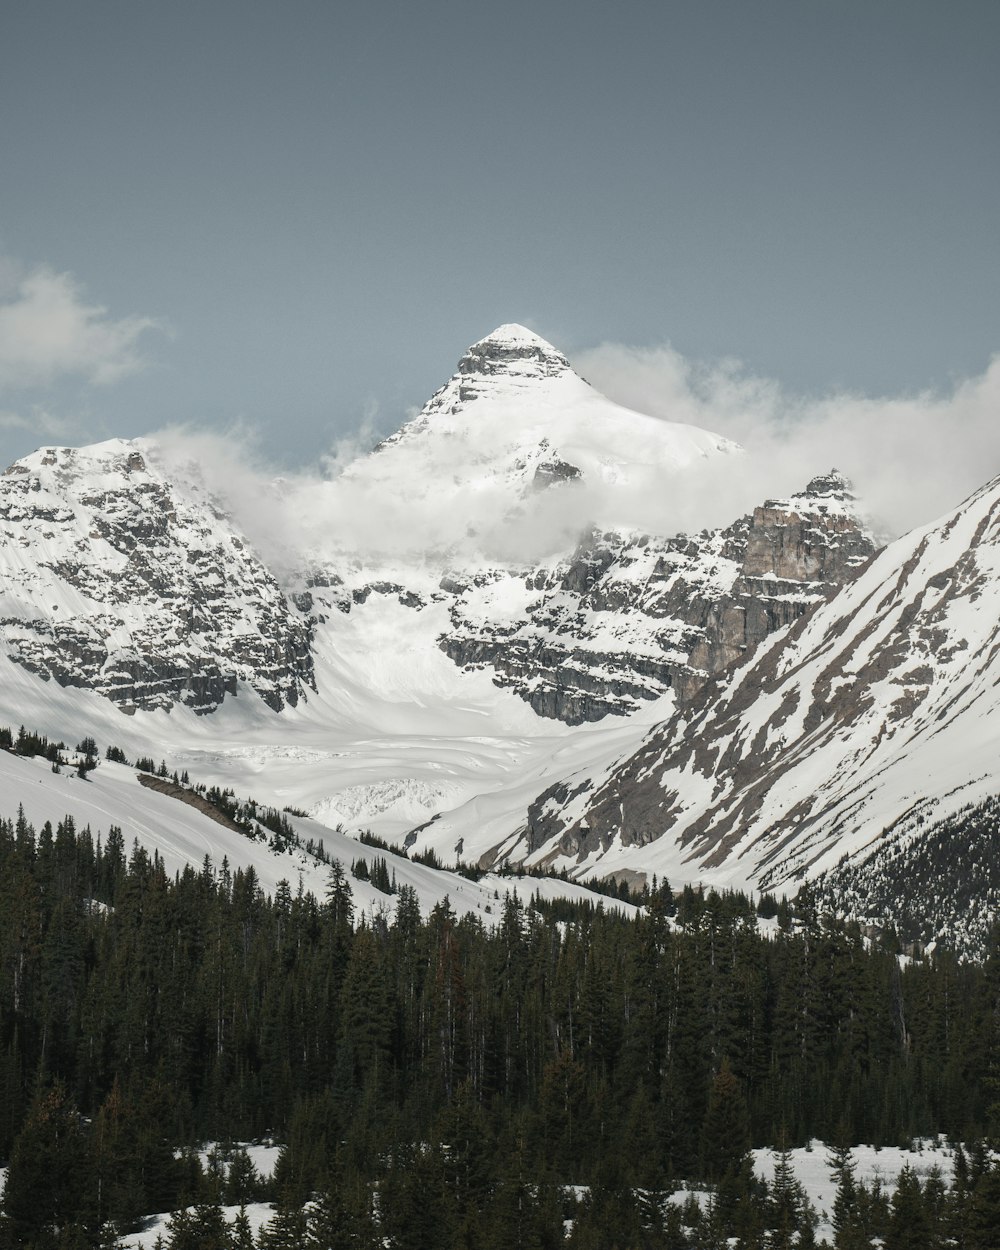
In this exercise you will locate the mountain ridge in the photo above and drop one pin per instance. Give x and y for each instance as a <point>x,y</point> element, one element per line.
<point>116,579</point>
<point>493,708</point>
<point>875,704</point>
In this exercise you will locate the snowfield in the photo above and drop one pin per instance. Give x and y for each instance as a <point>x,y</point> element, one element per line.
<point>180,835</point>
<point>810,1165</point>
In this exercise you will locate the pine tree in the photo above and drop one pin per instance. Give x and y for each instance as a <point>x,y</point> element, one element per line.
<point>908,1228</point>
<point>725,1135</point>
<point>341,1216</point>
<point>328,1225</point>
<point>844,1218</point>
<point>418,1209</point>
<point>200,1228</point>
<point>50,1185</point>
<point>562,1116</point>
<point>285,1231</point>
<point>786,1204</point>
<point>242,1181</point>
<point>982,1222</point>
<point>512,1221</point>
<point>241,1234</point>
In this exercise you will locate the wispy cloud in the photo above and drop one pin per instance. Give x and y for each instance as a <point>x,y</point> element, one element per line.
<point>49,331</point>
<point>39,420</point>
<point>912,457</point>
<point>351,447</point>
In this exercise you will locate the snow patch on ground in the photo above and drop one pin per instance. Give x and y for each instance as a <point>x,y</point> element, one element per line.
<point>811,1165</point>
<point>258,1215</point>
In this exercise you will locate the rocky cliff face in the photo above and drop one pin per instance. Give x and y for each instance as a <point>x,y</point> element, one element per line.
<point>113,580</point>
<point>876,710</point>
<point>626,618</point>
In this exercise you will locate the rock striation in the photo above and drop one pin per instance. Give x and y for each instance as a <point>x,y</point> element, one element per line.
<point>113,579</point>
<point>627,617</point>
<point>874,714</point>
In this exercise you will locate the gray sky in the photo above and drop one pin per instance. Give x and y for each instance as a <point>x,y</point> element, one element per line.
<point>293,214</point>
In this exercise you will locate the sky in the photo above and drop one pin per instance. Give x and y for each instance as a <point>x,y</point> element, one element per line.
<point>285,222</point>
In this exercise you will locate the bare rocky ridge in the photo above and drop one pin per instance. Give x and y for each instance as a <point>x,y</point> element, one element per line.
<point>626,618</point>
<point>116,582</point>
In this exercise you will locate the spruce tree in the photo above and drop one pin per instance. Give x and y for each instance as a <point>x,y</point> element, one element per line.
<point>908,1227</point>
<point>50,1187</point>
<point>286,1230</point>
<point>982,1222</point>
<point>725,1134</point>
<point>847,1231</point>
<point>787,1199</point>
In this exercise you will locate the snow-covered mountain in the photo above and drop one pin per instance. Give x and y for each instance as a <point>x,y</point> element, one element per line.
<point>118,580</point>
<point>513,454</point>
<point>512,667</point>
<point>877,713</point>
<point>122,576</point>
<point>511,500</point>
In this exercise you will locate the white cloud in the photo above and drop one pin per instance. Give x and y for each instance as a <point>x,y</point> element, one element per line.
<point>353,446</point>
<point>48,331</point>
<point>40,421</point>
<point>911,457</point>
<point>275,512</point>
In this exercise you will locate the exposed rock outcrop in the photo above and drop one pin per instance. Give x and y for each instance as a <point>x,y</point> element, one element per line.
<point>116,581</point>
<point>628,617</point>
<point>874,706</point>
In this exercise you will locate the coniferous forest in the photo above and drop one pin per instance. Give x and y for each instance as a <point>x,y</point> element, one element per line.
<point>434,1082</point>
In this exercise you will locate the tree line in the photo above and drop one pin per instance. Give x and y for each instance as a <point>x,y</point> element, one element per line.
<point>413,1064</point>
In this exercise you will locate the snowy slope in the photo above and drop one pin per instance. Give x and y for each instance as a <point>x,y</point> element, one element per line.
<point>393,735</point>
<point>881,706</point>
<point>182,835</point>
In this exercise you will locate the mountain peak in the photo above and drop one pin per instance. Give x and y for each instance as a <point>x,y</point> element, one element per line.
<point>511,334</point>
<point>512,350</point>
<point>832,483</point>
<point>113,456</point>
<point>513,420</point>
<point>827,493</point>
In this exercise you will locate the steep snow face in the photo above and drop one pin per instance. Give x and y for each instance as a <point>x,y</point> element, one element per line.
<point>881,708</point>
<point>515,453</point>
<point>111,578</point>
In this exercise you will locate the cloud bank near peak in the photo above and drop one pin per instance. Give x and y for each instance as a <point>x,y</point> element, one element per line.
<point>911,457</point>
